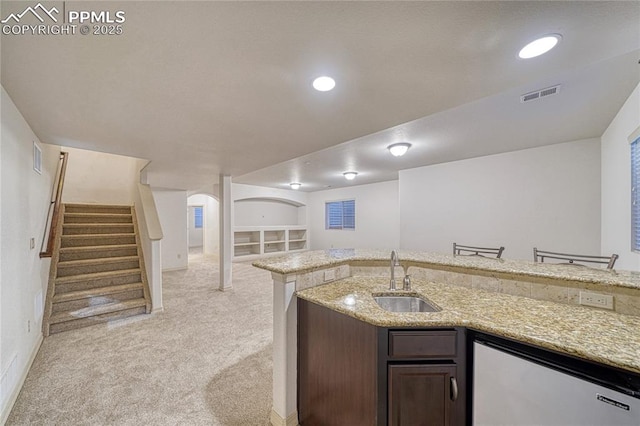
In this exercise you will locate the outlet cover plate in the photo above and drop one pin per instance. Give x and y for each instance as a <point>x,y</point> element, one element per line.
<point>604,301</point>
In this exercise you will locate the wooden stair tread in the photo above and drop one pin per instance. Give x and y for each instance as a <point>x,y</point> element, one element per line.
<point>96,224</point>
<point>96,310</point>
<point>76,214</point>
<point>96,275</point>
<point>98,261</point>
<point>95,292</point>
<point>128,234</point>
<point>93,248</point>
<point>102,206</point>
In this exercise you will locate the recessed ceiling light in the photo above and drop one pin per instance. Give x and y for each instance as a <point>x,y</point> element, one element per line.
<point>539,46</point>
<point>295,185</point>
<point>399,149</point>
<point>350,175</point>
<point>324,84</point>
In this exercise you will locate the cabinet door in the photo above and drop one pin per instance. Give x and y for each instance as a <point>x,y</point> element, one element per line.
<point>422,394</point>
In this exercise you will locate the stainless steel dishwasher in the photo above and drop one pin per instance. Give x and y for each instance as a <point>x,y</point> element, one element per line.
<point>514,387</point>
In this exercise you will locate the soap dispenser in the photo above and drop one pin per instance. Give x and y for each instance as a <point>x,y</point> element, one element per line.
<point>406,283</point>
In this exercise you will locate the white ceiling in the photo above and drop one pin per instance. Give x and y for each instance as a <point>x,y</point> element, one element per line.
<point>203,88</point>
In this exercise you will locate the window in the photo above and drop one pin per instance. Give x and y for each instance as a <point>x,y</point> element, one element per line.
<point>197,212</point>
<point>340,214</point>
<point>635,195</point>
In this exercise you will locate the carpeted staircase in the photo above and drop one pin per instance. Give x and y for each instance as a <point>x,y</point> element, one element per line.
<point>97,269</point>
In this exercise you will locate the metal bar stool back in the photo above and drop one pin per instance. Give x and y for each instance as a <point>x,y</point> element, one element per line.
<point>541,255</point>
<point>459,250</point>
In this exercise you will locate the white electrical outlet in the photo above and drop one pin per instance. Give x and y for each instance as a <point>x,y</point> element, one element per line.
<point>330,275</point>
<point>597,300</point>
<point>32,243</point>
<point>28,326</point>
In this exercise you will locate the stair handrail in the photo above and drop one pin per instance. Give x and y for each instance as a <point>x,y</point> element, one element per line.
<point>52,225</point>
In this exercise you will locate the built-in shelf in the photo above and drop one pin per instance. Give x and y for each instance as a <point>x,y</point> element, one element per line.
<point>274,236</point>
<point>297,239</point>
<point>274,247</point>
<point>245,244</point>
<point>246,237</point>
<point>297,234</point>
<point>246,250</point>
<point>297,245</point>
<point>256,241</point>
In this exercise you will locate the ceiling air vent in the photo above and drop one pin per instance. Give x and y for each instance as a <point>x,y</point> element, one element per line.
<point>532,96</point>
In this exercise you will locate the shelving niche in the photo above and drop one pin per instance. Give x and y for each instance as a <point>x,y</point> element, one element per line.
<point>297,239</point>
<point>256,241</point>
<point>246,243</point>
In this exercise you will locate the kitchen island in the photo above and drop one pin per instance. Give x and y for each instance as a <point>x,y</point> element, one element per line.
<point>513,299</point>
<point>593,334</point>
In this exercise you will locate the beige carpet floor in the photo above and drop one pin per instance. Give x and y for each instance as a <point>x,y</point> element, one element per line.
<point>205,360</point>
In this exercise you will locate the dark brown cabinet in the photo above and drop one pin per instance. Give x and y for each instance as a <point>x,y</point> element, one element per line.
<point>351,372</point>
<point>425,380</point>
<point>422,395</point>
<point>336,368</point>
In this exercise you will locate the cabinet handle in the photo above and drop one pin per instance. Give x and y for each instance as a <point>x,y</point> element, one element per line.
<point>454,388</point>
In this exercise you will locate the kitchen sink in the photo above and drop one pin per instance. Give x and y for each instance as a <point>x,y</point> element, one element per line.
<point>405,304</point>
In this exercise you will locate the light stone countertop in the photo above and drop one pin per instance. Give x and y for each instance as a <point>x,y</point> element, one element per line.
<point>597,335</point>
<point>513,269</point>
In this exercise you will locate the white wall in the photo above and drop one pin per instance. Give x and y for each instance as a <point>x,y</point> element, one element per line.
<point>24,199</point>
<point>172,210</point>
<point>96,177</point>
<point>616,184</point>
<point>377,217</point>
<point>246,192</point>
<point>265,213</point>
<point>546,197</point>
<point>211,237</point>
<point>242,192</point>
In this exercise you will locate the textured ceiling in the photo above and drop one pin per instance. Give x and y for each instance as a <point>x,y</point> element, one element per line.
<point>203,88</point>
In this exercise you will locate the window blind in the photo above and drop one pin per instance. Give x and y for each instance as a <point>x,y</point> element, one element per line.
<point>197,212</point>
<point>340,214</point>
<point>349,214</point>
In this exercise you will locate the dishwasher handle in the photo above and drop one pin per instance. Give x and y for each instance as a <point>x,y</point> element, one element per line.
<point>454,388</point>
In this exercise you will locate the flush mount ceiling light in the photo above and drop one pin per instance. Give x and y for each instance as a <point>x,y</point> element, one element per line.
<point>350,175</point>
<point>324,84</point>
<point>539,46</point>
<point>295,185</point>
<point>399,149</point>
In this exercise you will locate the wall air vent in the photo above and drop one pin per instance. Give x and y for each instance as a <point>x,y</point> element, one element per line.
<point>532,96</point>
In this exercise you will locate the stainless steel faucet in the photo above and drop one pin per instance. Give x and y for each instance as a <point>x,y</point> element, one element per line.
<point>394,262</point>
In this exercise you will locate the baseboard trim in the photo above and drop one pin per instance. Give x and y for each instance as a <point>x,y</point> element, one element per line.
<point>276,420</point>
<point>179,268</point>
<point>23,377</point>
